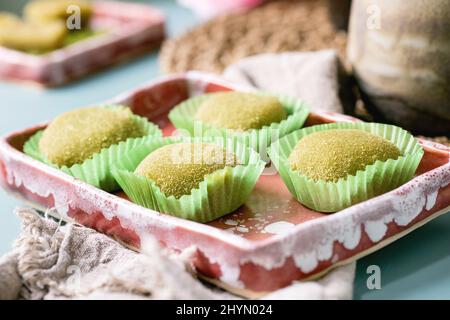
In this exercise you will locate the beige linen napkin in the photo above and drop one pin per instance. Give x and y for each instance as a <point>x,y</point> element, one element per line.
<point>311,76</point>
<point>50,261</point>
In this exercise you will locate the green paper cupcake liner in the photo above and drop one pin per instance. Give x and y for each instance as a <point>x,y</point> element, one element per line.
<point>221,192</point>
<point>97,169</point>
<point>183,117</point>
<point>375,179</point>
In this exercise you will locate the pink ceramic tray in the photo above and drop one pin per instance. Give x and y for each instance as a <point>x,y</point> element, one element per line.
<point>267,243</point>
<point>131,29</point>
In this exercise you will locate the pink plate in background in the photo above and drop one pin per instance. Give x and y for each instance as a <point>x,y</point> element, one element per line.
<point>266,244</point>
<point>131,29</point>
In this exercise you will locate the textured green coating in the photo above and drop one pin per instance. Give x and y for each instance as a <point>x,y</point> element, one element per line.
<point>334,154</point>
<point>180,167</point>
<point>77,135</point>
<point>240,111</point>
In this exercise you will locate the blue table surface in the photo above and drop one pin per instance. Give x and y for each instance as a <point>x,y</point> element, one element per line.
<point>414,267</point>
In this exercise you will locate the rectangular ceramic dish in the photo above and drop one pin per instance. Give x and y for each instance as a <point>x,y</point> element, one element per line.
<point>131,29</point>
<point>267,243</point>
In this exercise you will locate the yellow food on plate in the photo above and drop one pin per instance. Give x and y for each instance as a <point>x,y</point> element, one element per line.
<point>24,36</point>
<point>8,19</point>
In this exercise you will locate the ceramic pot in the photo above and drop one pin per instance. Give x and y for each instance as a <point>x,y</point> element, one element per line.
<point>339,11</point>
<point>400,55</point>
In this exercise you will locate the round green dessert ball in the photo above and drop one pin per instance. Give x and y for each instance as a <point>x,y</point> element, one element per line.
<point>77,135</point>
<point>180,167</point>
<point>334,154</point>
<point>240,111</point>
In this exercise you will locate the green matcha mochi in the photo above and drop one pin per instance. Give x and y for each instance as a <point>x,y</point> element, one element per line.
<point>334,154</point>
<point>240,111</point>
<point>77,135</point>
<point>178,168</point>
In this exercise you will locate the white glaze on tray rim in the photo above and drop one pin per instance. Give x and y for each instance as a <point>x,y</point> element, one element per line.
<point>8,153</point>
<point>277,248</point>
<point>126,212</point>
